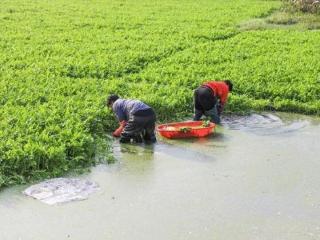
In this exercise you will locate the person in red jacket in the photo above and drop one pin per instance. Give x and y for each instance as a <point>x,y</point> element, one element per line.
<point>210,99</point>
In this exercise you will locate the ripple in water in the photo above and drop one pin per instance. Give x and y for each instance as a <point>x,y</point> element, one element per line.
<point>264,124</point>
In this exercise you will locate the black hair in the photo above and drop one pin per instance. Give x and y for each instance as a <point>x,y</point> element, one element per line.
<point>111,99</point>
<point>230,84</point>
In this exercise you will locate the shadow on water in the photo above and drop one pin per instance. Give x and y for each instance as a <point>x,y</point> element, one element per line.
<point>133,149</point>
<point>177,148</point>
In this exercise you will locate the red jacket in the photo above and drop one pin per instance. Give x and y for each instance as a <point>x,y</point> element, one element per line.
<point>220,89</point>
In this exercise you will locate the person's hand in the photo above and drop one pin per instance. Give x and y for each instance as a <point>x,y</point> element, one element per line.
<point>119,130</point>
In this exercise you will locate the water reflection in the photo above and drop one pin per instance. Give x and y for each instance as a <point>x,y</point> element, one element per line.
<point>135,159</point>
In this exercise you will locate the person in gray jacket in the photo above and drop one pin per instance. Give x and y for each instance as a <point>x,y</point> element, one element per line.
<point>137,120</point>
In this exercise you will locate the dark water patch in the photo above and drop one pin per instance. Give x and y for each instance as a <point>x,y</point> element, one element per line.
<point>174,148</point>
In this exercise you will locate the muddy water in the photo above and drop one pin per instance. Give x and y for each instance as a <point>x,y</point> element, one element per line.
<point>256,178</point>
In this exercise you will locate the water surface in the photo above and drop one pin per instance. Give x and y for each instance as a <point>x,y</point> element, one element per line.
<point>256,178</point>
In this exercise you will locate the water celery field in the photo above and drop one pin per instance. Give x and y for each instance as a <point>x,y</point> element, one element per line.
<point>60,59</point>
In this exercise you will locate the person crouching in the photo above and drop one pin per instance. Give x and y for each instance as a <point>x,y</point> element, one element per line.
<point>210,99</point>
<point>137,120</point>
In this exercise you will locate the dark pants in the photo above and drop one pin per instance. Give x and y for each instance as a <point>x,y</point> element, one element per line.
<point>206,103</point>
<point>140,126</point>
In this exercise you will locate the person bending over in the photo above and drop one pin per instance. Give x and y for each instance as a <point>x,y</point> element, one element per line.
<point>210,99</point>
<point>137,120</point>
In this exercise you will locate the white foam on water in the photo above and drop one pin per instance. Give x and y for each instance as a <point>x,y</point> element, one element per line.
<point>61,190</point>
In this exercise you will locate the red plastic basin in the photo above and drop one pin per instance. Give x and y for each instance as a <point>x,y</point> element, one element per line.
<point>185,129</point>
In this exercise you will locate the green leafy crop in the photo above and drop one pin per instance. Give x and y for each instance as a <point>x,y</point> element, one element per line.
<point>60,59</point>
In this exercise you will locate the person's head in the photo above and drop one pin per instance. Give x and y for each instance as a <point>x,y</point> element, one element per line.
<point>111,99</point>
<point>230,85</point>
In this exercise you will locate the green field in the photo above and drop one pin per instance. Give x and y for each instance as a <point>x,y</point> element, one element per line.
<point>60,59</point>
